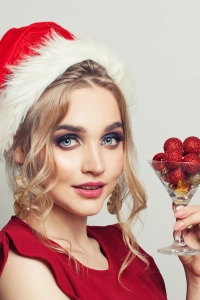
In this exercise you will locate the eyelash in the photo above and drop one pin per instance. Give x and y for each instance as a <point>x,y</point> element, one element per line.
<point>70,137</point>
<point>116,136</point>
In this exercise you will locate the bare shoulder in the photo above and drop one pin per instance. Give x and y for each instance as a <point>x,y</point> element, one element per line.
<point>24,278</point>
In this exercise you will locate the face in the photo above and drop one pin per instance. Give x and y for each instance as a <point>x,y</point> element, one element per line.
<point>88,151</point>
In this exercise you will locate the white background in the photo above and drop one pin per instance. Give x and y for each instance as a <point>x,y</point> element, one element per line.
<point>160,42</point>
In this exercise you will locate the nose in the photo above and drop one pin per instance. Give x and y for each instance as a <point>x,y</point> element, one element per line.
<point>92,160</point>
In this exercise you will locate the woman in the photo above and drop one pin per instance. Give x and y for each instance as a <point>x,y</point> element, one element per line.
<point>66,139</point>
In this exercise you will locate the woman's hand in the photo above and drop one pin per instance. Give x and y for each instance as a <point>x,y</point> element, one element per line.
<point>190,217</point>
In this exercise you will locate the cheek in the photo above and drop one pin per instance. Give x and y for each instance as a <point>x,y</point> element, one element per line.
<point>115,161</point>
<point>119,165</point>
<point>66,165</point>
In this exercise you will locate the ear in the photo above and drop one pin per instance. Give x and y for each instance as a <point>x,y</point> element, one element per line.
<point>19,155</point>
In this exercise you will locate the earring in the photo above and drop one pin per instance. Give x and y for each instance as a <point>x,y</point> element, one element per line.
<point>114,202</point>
<point>21,210</point>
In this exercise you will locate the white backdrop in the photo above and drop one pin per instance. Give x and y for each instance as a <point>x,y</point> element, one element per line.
<point>160,42</point>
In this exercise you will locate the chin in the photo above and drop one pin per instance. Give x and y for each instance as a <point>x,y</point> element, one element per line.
<point>80,209</point>
<point>87,212</point>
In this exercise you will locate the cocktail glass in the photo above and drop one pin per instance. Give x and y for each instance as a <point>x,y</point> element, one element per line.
<point>181,192</point>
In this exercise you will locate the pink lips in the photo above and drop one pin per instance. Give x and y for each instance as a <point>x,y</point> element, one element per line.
<point>90,189</point>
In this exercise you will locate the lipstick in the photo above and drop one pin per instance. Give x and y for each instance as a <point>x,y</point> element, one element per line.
<point>90,189</point>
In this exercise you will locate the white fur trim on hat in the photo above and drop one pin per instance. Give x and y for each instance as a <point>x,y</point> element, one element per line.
<point>35,73</point>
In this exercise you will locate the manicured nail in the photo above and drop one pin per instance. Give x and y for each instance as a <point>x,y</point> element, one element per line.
<point>179,213</point>
<point>178,226</point>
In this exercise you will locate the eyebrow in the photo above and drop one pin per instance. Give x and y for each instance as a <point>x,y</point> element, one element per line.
<point>81,129</point>
<point>113,126</point>
<point>71,128</point>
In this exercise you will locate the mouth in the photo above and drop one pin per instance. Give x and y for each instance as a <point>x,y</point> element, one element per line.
<point>90,189</point>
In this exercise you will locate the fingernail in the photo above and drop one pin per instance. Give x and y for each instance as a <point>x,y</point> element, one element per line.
<point>179,213</point>
<point>178,226</point>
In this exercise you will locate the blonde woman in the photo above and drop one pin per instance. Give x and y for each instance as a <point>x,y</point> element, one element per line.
<point>66,139</point>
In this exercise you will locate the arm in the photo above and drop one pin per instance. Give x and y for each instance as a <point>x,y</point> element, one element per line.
<point>25,278</point>
<point>190,216</point>
<point>193,286</point>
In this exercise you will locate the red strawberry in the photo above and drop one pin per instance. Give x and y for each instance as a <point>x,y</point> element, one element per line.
<point>174,176</point>
<point>173,144</point>
<point>191,145</point>
<point>172,159</point>
<point>193,163</point>
<point>157,162</point>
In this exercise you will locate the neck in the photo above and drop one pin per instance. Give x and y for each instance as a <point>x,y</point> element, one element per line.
<point>67,226</point>
<point>70,231</point>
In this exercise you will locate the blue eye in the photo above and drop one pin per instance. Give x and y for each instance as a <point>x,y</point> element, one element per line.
<point>112,139</point>
<point>109,141</point>
<point>67,141</point>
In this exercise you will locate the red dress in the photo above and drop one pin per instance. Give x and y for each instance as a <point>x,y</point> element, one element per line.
<point>140,282</point>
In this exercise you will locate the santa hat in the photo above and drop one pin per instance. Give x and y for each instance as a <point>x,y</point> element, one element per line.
<point>32,57</point>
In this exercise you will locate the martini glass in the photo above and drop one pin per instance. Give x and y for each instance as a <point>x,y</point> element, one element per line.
<point>181,192</point>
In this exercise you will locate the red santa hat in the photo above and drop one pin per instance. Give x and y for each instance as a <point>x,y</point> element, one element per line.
<point>32,57</point>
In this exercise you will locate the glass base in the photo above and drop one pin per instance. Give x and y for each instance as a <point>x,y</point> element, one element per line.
<point>180,249</point>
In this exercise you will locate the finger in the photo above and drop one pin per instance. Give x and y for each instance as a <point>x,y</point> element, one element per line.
<point>191,236</point>
<point>186,211</point>
<point>188,221</point>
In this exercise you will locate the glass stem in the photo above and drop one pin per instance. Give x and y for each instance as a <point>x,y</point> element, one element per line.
<point>179,237</point>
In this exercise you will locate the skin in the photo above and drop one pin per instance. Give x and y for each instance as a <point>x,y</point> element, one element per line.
<point>188,216</point>
<point>94,154</point>
<point>90,158</point>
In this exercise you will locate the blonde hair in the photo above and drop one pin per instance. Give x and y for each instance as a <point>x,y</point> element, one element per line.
<point>35,134</point>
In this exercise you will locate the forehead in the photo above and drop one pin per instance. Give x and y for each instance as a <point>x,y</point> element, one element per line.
<point>94,105</point>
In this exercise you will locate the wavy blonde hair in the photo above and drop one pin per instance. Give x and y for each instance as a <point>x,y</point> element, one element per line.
<point>35,134</point>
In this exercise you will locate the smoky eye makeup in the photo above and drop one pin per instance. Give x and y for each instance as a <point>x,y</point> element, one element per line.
<point>66,141</point>
<point>118,135</point>
<point>112,139</point>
